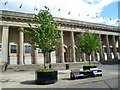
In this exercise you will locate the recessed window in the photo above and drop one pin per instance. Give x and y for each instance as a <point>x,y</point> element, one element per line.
<point>13,49</point>
<point>111,49</point>
<point>105,49</point>
<point>39,50</point>
<point>117,49</point>
<point>27,49</point>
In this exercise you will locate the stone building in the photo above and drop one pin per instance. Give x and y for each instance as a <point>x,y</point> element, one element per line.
<point>15,49</point>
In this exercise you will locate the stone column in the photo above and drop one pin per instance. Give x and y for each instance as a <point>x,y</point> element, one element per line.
<point>21,48</point>
<point>108,48</point>
<point>62,48</point>
<point>96,56</point>
<point>83,57</point>
<point>80,53</point>
<point>4,52</point>
<point>102,58</point>
<point>73,47</point>
<point>119,45</point>
<point>114,47</point>
<point>34,54</point>
<point>93,56</point>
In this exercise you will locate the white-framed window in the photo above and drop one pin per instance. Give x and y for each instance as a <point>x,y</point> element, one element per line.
<point>13,49</point>
<point>39,50</point>
<point>111,49</point>
<point>117,49</point>
<point>27,49</point>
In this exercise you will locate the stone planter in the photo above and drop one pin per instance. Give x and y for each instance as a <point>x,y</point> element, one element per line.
<point>88,74</point>
<point>46,77</point>
<point>88,67</point>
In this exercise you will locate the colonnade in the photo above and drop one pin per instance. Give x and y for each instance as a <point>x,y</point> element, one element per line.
<point>5,46</point>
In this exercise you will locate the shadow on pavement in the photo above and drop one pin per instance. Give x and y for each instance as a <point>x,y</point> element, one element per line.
<point>28,82</point>
<point>66,79</point>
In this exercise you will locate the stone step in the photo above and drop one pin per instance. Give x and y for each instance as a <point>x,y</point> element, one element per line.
<point>57,66</point>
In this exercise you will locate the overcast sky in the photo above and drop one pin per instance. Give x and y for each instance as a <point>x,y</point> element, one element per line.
<point>97,11</point>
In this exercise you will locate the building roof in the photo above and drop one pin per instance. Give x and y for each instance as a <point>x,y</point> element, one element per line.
<point>62,21</point>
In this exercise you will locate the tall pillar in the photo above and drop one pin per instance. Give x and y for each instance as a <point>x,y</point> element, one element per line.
<point>80,53</point>
<point>34,54</point>
<point>102,58</point>
<point>93,56</point>
<point>108,48</point>
<point>114,47</point>
<point>83,57</point>
<point>96,56</point>
<point>62,48</point>
<point>119,45</point>
<point>73,47</point>
<point>4,51</point>
<point>21,47</point>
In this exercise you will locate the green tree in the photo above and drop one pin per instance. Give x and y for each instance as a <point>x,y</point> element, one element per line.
<point>45,34</point>
<point>88,43</point>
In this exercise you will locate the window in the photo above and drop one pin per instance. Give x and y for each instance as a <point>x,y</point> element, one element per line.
<point>111,49</point>
<point>105,49</point>
<point>27,49</point>
<point>117,49</point>
<point>13,49</point>
<point>39,50</point>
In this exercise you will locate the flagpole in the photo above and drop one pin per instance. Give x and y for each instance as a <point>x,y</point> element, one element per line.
<point>35,8</point>
<point>5,4</point>
<point>21,6</point>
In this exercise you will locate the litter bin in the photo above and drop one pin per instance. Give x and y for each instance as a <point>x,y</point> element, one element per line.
<point>67,66</point>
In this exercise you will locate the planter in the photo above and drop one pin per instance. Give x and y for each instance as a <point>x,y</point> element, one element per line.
<point>88,74</point>
<point>46,77</point>
<point>88,67</point>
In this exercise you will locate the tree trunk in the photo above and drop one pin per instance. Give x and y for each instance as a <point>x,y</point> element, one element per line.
<point>44,60</point>
<point>49,59</point>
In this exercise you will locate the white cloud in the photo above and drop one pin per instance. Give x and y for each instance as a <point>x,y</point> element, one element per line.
<point>76,7</point>
<point>112,22</point>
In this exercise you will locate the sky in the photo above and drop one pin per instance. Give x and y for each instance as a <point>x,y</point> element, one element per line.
<point>95,11</point>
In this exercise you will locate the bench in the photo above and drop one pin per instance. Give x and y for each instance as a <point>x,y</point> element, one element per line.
<point>76,74</point>
<point>96,71</point>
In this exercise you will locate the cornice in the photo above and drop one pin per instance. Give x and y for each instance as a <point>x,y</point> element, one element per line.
<point>61,21</point>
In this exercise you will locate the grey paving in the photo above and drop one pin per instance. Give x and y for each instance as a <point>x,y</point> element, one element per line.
<point>25,79</point>
<point>113,83</point>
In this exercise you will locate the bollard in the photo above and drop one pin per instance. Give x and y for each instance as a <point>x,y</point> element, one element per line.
<point>67,66</point>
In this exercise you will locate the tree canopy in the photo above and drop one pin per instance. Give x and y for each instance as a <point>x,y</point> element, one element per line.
<point>88,42</point>
<point>45,34</point>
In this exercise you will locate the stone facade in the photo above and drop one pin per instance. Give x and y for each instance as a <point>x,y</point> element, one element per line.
<point>15,49</point>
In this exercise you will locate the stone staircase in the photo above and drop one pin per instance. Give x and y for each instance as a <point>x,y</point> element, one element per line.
<point>57,66</point>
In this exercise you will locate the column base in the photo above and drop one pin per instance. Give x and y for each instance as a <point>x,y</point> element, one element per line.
<point>109,58</point>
